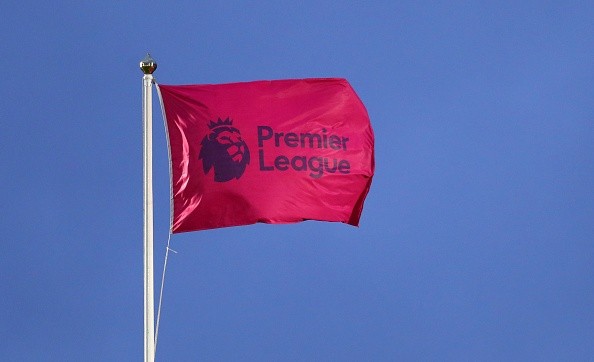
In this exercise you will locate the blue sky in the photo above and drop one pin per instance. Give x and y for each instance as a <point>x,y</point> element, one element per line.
<point>476,241</point>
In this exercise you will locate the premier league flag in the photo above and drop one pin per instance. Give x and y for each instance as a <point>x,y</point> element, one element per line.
<point>279,151</point>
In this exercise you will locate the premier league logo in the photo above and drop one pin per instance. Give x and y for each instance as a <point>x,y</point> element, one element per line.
<point>224,150</point>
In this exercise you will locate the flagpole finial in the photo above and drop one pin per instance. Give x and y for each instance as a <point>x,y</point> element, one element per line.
<point>148,64</point>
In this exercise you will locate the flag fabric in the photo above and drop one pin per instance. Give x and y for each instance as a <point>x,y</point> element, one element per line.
<point>280,151</point>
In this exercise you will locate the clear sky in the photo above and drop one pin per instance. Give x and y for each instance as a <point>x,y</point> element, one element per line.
<point>476,241</point>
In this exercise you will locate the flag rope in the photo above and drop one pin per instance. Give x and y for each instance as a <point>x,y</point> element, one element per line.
<point>167,249</point>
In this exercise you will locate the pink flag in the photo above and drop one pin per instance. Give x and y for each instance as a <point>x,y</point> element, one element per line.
<point>279,151</point>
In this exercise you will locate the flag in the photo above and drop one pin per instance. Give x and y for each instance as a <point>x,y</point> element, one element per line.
<point>280,151</point>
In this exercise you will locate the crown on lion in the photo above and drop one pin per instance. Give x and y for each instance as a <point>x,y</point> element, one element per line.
<point>220,123</point>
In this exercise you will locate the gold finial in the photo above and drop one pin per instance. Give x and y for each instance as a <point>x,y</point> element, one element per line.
<point>148,64</point>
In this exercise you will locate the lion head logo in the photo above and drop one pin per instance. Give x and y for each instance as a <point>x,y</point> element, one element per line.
<point>224,150</point>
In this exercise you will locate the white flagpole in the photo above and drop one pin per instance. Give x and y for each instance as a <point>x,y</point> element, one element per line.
<point>148,66</point>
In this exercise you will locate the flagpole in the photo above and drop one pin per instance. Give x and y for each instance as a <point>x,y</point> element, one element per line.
<point>148,66</point>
